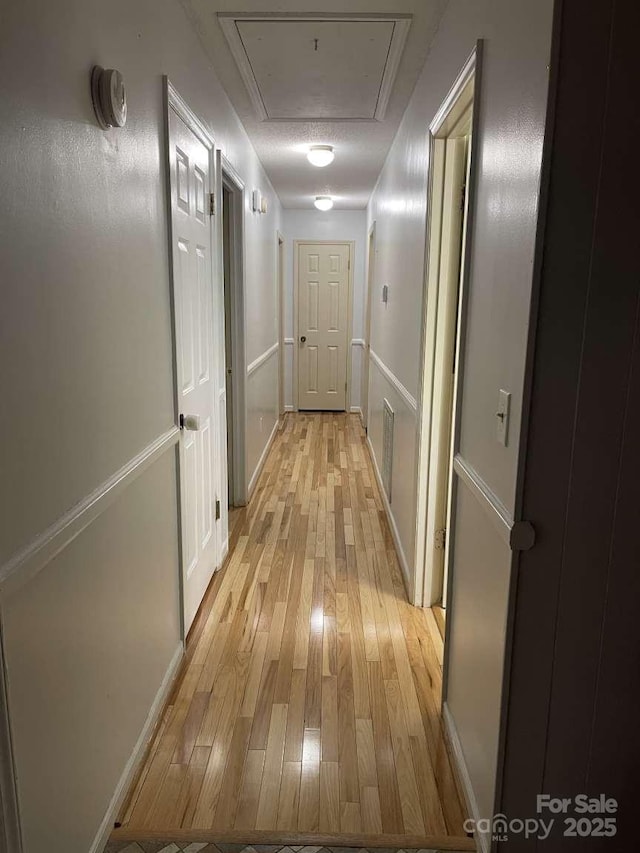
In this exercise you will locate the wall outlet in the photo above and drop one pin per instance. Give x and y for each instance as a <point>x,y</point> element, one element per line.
<point>502,417</point>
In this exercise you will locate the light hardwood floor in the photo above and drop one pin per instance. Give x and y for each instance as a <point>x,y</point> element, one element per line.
<point>309,701</point>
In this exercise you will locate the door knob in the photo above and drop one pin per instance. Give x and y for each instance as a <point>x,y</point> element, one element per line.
<point>302,339</point>
<point>191,422</point>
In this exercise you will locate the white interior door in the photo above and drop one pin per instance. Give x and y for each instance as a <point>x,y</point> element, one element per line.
<point>192,280</point>
<point>450,255</point>
<point>323,309</point>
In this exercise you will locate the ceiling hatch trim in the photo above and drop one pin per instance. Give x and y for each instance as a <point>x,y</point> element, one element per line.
<point>230,23</point>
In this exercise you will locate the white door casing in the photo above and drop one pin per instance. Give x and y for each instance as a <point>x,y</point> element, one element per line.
<point>323,290</point>
<point>366,359</point>
<point>191,181</point>
<point>450,207</point>
<point>450,257</point>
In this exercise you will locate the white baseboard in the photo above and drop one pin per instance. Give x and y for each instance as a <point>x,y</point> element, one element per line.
<point>356,410</point>
<point>289,409</point>
<point>402,559</point>
<point>482,841</point>
<point>138,753</point>
<point>262,460</point>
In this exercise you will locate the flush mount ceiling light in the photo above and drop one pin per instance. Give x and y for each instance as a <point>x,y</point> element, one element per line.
<point>323,202</point>
<point>320,155</point>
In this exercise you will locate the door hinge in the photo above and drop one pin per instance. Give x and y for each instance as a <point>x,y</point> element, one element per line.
<point>212,204</point>
<point>441,539</point>
<point>217,510</point>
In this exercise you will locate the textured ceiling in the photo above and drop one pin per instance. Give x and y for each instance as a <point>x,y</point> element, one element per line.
<point>360,146</point>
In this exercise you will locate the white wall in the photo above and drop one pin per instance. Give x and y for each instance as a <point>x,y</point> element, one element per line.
<point>508,150</point>
<point>86,377</point>
<point>333,225</point>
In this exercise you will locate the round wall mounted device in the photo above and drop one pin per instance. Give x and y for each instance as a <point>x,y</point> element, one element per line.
<point>109,97</point>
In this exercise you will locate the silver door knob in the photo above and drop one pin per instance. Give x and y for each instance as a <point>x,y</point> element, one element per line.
<point>302,339</point>
<point>191,422</point>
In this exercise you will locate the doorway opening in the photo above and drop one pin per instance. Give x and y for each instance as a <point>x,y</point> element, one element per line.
<point>235,368</point>
<point>450,159</point>
<point>322,319</point>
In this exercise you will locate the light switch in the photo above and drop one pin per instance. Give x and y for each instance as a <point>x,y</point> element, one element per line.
<point>385,293</point>
<point>502,417</point>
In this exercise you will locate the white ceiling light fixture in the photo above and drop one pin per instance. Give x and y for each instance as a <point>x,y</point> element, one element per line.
<point>320,155</point>
<point>323,202</point>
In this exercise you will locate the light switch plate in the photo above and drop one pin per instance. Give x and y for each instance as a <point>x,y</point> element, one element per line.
<point>385,293</point>
<point>502,417</point>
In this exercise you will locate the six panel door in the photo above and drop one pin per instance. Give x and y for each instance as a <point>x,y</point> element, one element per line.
<point>191,243</point>
<point>323,302</point>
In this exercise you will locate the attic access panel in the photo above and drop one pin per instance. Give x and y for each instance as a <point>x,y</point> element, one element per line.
<point>317,68</point>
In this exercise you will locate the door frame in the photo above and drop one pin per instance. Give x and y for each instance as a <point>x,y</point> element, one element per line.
<point>230,178</point>
<point>422,583</point>
<point>366,359</point>
<point>174,101</point>
<point>10,827</point>
<point>296,285</point>
<point>280,279</point>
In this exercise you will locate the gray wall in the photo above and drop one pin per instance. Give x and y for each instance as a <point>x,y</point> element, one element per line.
<point>336,225</point>
<point>517,36</point>
<point>86,377</point>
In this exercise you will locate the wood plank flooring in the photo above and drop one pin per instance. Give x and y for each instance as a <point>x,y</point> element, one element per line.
<point>309,700</point>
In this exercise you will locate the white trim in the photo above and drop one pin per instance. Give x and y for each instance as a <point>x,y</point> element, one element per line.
<point>138,754</point>
<point>230,30</point>
<point>471,69</point>
<point>402,23</point>
<point>451,733</point>
<point>263,459</point>
<point>289,341</point>
<point>235,185</point>
<point>260,360</point>
<point>465,75</point>
<point>181,108</point>
<point>368,288</point>
<point>402,559</point>
<point>27,562</point>
<point>357,342</point>
<point>490,502</point>
<point>409,399</point>
<point>281,254</point>
<point>400,33</point>
<point>356,410</point>
<point>289,408</point>
<point>233,177</point>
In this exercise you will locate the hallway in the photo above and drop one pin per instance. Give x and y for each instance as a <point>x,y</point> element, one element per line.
<point>309,701</point>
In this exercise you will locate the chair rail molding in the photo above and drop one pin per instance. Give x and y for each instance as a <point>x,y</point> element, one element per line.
<point>27,562</point>
<point>261,359</point>
<point>408,398</point>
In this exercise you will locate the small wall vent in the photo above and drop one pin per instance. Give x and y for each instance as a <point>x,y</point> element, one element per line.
<point>387,447</point>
